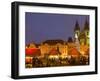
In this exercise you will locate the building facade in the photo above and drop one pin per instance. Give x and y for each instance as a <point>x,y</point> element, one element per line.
<point>59,45</point>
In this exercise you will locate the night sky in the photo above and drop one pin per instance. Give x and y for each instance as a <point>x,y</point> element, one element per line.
<point>44,26</point>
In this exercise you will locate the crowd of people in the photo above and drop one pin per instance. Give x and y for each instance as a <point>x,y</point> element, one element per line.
<point>53,62</point>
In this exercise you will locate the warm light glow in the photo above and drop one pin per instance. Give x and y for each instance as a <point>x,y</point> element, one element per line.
<point>63,56</point>
<point>82,52</point>
<point>54,56</point>
<point>28,59</point>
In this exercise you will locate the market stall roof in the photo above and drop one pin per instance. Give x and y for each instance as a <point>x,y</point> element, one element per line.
<point>32,52</point>
<point>74,52</point>
<point>54,52</point>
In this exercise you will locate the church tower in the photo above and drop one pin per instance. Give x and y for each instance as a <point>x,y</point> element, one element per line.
<point>76,35</point>
<point>76,29</point>
<point>86,31</point>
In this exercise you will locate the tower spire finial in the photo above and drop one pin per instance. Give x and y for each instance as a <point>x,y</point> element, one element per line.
<point>77,27</point>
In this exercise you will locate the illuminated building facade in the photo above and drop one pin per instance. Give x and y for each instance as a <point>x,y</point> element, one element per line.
<point>59,45</point>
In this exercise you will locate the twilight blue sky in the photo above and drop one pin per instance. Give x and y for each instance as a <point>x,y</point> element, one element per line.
<point>44,26</point>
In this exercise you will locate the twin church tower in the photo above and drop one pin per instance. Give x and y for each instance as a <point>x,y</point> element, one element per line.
<point>81,36</point>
